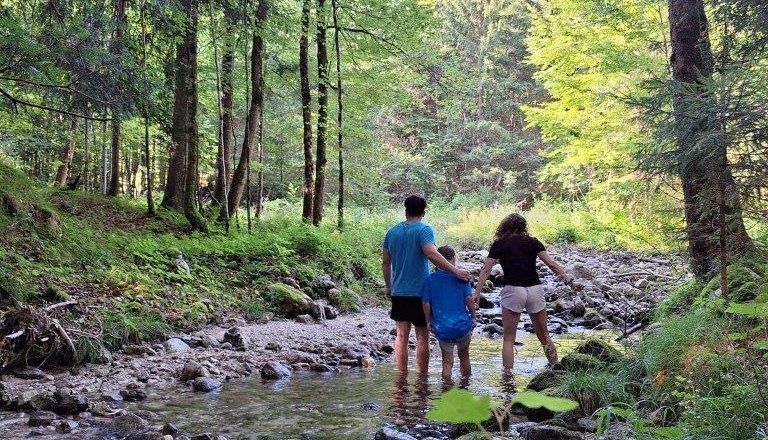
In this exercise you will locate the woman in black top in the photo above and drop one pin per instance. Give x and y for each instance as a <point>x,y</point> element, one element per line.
<point>517,251</point>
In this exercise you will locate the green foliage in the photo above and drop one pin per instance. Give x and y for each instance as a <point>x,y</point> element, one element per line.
<point>535,400</point>
<point>131,323</point>
<point>460,406</point>
<point>595,389</point>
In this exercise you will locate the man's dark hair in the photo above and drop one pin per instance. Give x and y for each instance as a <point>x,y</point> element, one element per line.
<point>415,206</point>
<point>447,252</point>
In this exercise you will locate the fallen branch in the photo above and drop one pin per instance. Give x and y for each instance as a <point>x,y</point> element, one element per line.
<point>634,329</point>
<point>640,273</point>
<point>60,305</point>
<point>63,333</point>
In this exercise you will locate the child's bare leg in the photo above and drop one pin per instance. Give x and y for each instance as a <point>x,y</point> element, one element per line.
<point>447,364</point>
<point>466,368</point>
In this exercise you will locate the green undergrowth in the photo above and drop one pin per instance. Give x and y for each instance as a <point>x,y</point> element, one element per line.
<point>126,270</point>
<point>699,373</point>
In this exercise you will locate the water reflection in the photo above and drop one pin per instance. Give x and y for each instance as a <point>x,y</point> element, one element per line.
<point>351,405</point>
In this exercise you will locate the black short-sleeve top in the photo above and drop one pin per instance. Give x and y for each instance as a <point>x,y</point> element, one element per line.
<point>517,256</point>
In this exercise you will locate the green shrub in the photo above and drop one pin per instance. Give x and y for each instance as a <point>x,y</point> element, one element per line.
<point>131,323</point>
<point>595,389</point>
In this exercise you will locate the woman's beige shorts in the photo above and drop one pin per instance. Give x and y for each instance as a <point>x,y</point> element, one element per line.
<point>517,299</point>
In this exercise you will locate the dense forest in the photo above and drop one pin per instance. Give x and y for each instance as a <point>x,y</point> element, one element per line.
<point>167,163</point>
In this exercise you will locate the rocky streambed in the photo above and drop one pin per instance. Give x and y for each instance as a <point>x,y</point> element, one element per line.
<point>115,400</point>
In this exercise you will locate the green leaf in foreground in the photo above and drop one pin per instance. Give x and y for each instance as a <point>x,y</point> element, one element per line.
<point>533,399</point>
<point>460,406</point>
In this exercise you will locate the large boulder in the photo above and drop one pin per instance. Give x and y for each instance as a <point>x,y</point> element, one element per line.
<point>176,345</point>
<point>205,384</point>
<point>290,301</point>
<point>274,370</point>
<point>68,402</point>
<point>235,337</point>
<point>192,370</point>
<point>127,424</point>
<point>600,349</point>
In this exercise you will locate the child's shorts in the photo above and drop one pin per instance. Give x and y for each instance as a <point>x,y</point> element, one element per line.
<point>461,343</point>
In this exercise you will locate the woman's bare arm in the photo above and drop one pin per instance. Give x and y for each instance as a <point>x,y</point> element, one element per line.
<point>558,270</point>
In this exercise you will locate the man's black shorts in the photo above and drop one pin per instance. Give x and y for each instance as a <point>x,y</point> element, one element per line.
<point>408,308</point>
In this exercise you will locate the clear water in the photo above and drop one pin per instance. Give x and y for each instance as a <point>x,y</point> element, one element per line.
<point>349,405</point>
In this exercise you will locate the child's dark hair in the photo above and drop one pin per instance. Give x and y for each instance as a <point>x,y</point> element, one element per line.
<point>511,225</point>
<point>447,252</point>
<point>415,205</point>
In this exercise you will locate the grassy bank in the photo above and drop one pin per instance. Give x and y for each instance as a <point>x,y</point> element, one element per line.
<point>700,373</point>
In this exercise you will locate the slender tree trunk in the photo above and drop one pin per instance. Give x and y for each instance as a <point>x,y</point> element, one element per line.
<point>147,156</point>
<point>260,174</point>
<point>87,155</point>
<point>340,111</point>
<point>192,178</point>
<point>224,175</point>
<point>67,154</point>
<point>117,47</point>
<point>104,171</point>
<point>241,177</point>
<point>322,114</point>
<point>177,166</point>
<point>114,178</point>
<point>707,181</point>
<point>306,113</point>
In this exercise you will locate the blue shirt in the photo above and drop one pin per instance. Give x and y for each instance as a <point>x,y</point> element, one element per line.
<point>410,267</point>
<point>447,296</point>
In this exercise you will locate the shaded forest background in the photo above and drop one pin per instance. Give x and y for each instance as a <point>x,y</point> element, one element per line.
<point>574,106</point>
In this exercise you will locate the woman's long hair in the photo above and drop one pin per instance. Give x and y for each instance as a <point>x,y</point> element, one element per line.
<point>513,224</point>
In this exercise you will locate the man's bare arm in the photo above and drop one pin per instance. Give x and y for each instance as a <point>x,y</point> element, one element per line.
<point>430,251</point>
<point>386,270</point>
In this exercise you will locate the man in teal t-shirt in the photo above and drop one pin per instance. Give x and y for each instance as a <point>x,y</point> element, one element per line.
<point>408,248</point>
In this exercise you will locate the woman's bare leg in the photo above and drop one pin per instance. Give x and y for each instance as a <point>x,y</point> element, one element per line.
<point>539,320</point>
<point>509,320</point>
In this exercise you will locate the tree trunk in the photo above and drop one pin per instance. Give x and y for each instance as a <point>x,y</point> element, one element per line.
<point>701,143</point>
<point>87,156</point>
<point>240,178</point>
<point>117,45</point>
<point>114,178</point>
<point>224,175</point>
<point>322,114</point>
<point>306,113</point>
<point>66,155</point>
<point>340,111</point>
<point>177,166</point>
<point>191,182</point>
<point>104,157</point>
<point>147,155</point>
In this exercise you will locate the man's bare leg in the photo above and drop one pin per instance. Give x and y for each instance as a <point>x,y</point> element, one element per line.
<point>422,349</point>
<point>401,345</point>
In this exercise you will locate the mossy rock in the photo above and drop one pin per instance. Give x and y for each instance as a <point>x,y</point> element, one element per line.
<point>545,379</point>
<point>476,436</point>
<point>347,300</point>
<point>579,362</point>
<point>601,350</point>
<point>290,302</point>
<point>10,205</point>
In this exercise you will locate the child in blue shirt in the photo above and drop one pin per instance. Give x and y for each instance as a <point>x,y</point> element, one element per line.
<point>450,311</point>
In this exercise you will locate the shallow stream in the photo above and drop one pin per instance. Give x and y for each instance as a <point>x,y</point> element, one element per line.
<point>349,405</point>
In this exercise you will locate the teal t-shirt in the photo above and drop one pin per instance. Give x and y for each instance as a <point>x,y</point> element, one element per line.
<point>447,297</point>
<point>410,267</point>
